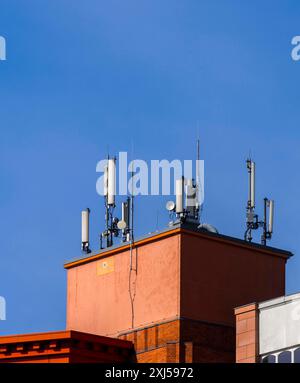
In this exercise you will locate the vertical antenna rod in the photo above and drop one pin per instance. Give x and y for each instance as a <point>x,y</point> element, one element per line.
<point>264,224</point>
<point>109,197</point>
<point>251,171</point>
<point>252,218</point>
<point>271,216</point>
<point>125,220</point>
<point>191,198</point>
<point>252,175</point>
<point>267,226</point>
<point>111,184</point>
<point>85,228</point>
<point>179,195</point>
<point>198,180</point>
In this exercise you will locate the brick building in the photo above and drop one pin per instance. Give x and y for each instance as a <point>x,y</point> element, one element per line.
<point>174,293</point>
<point>171,294</point>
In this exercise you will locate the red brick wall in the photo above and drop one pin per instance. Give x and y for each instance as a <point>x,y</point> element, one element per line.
<point>183,340</point>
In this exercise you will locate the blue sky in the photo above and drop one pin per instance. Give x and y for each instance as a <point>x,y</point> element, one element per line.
<point>82,77</point>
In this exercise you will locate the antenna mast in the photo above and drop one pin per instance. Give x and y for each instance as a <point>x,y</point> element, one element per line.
<point>253,222</point>
<point>187,192</point>
<point>198,207</point>
<point>111,223</point>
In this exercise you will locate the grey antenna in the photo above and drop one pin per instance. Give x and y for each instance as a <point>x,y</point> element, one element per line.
<point>267,226</point>
<point>252,218</point>
<point>191,198</point>
<point>193,190</point>
<point>198,183</point>
<point>124,223</point>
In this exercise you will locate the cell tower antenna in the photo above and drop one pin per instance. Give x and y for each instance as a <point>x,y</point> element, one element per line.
<point>111,222</point>
<point>85,231</point>
<point>187,196</point>
<point>253,222</point>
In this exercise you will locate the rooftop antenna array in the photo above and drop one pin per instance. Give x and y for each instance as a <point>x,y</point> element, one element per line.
<point>187,191</point>
<point>111,222</point>
<point>114,227</point>
<point>186,208</point>
<point>253,222</point>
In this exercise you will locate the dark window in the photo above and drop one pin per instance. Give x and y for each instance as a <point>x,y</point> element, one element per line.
<point>297,355</point>
<point>269,359</point>
<point>285,357</point>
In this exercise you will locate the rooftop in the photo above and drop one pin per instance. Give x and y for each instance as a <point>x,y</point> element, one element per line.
<point>178,228</point>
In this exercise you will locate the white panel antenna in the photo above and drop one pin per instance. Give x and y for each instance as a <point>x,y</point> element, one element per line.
<point>85,228</point>
<point>191,194</point>
<point>111,188</point>
<point>271,216</point>
<point>252,185</point>
<point>179,195</point>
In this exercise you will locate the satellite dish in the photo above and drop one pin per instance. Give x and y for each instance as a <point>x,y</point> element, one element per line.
<point>170,205</point>
<point>121,225</point>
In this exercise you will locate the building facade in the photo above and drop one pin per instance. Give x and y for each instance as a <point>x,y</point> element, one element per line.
<point>269,332</point>
<point>168,297</point>
<point>173,293</point>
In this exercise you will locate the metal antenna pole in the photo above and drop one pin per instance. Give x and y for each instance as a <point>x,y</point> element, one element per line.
<point>264,234</point>
<point>107,215</point>
<point>252,218</point>
<point>253,222</point>
<point>198,179</point>
<point>249,209</point>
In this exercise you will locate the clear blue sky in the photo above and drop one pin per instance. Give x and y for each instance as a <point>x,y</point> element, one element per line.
<point>82,76</point>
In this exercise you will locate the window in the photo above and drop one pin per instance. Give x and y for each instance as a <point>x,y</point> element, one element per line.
<point>269,359</point>
<point>285,357</point>
<point>297,355</point>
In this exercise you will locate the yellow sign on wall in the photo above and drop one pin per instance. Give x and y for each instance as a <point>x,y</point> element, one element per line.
<point>105,266</point>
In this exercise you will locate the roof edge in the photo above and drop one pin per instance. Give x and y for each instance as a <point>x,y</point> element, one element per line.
<point>174,230</point>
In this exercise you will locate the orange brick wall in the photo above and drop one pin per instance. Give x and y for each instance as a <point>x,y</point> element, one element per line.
<point>247,334</point>
<point>183,340</point>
